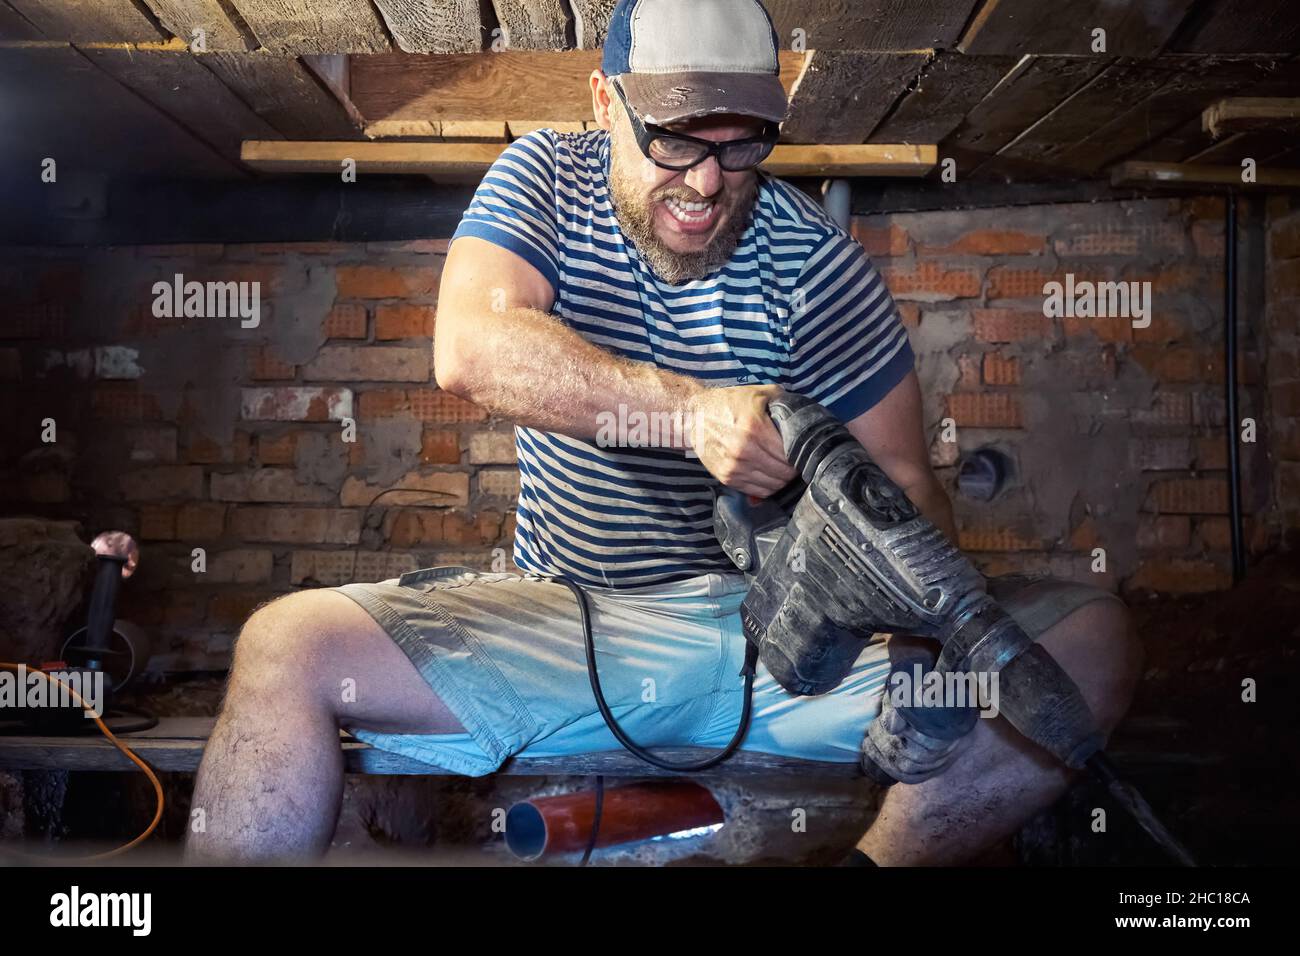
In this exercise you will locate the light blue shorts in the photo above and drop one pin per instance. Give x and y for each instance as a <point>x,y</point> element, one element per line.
<point>505,653</point>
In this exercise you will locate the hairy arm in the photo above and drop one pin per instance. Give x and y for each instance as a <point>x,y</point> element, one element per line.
<point>498,346</point>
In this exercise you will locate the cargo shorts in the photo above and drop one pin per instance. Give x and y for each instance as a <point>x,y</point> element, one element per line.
<point>505,654</point>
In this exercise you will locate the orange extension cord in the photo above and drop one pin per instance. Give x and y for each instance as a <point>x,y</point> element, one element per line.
<point>153,778</point>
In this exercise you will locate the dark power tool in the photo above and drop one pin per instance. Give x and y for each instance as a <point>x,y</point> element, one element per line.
<point>855,557</point>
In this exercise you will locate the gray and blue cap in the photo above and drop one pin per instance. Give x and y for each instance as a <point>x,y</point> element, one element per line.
<point>679,59</point>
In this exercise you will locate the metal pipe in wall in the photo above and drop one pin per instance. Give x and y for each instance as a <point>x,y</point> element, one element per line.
<point>1230,386</point>
<point>837,198</point>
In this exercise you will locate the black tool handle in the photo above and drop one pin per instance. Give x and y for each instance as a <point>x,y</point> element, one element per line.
<point>103,605</point>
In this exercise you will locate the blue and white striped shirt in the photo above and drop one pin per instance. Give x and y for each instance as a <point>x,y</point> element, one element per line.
<point>630,516</point>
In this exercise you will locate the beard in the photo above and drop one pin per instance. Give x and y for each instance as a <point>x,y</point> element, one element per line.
<point>636,217</point>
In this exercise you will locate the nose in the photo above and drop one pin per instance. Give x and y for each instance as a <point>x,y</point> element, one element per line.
<point>706,177</point>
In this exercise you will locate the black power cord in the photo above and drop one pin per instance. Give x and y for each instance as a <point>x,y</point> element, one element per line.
<point>595,820</point>
<point>748,670</point>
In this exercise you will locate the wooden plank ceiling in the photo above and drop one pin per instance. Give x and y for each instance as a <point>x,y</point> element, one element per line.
<point>1010,89</point>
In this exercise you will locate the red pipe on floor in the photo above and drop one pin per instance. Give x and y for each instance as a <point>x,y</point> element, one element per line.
<point>562,824</point>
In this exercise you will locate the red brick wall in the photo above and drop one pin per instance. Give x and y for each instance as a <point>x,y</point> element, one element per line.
<point>1117,432</point>
<point>195,433</point>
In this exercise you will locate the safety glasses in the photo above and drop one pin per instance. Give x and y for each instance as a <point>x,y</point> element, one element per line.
<point>677,151</point>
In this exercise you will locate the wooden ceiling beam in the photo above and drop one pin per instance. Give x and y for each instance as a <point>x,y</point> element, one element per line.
<point>842,97</point>
<point>1189,174</point>
<point>1247,114</point>
<point>284,92</point>
<point>947,91</point>
<point>221,29</point>
<point>534,24</point>
<point>398,88</point>
<point>176,83</point>
<point>1242,26</point>
<point>434,26</point>
<point>471,160</point>
<point>315,26</point>
<point>1065,27</point>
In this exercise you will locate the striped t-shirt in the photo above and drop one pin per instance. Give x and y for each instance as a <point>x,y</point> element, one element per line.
<point>799,305</point>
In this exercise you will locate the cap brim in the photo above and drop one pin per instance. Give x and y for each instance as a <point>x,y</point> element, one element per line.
<point>663,98</point>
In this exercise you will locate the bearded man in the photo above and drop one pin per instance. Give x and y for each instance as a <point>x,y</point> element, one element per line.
<point>647,267</point>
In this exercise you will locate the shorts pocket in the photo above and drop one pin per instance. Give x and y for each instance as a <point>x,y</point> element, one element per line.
<point>447,576</point>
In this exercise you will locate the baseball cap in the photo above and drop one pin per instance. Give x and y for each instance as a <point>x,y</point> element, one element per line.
<point>678,59</point>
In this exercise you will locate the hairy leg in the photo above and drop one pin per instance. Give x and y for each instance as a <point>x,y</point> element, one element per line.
<point>271,780</point>
<point>1000,780</point>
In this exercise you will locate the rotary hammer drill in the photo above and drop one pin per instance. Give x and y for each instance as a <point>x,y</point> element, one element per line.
<point>844,554</point>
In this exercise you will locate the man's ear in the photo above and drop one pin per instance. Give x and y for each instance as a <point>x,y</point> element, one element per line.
<point>601,103</point>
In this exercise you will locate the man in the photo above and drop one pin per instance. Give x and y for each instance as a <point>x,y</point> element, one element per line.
<point>642,268</point>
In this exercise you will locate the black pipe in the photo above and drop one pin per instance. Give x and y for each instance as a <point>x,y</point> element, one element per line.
<point>1230,379</point>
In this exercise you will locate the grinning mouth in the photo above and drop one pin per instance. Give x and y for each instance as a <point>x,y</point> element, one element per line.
<point>689,212</point>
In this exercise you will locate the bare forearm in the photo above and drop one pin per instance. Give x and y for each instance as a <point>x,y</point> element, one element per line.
<point>933,502</point>
<point>526,367</point>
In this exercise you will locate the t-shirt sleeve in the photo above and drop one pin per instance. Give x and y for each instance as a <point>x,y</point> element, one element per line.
<point>848,344</point>
<point>514,205</point>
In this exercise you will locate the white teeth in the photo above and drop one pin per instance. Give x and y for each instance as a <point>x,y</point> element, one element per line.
<point>688,211</point>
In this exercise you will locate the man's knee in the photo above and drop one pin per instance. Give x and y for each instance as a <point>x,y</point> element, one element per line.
<point>283,639</point>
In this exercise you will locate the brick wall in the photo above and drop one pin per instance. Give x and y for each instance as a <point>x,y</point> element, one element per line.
<point>1115,433</point>
<point>196,433</point>
<point>199,433</point>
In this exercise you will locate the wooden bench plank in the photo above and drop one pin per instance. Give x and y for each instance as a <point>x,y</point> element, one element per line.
<point>176,745</point>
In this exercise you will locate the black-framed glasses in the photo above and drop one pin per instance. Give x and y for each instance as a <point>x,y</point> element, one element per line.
<point>677,151</point>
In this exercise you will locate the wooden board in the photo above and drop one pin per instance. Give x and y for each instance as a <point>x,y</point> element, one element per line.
<point>1117,88</point>
<point>1250,76</point>
<point>1263,146</point>
<point>949,88</point>
<point>473,159</point>
<point>394,87</point>
<point>176,746</point>
<point>1247,113</point>
<point>118,21</point>
<point>869,160</point>
<point>314,26</point>
<point>842,97</point>
<point>1019,27</point>
<point>591,22</point>
<point>435,26</point>
<point>220,31</point>
<point>1183,175</point>
<point>282,92</point>
<point>1030,91</point>
<point>177,84</point>
<point>335,73</point>
<point>1241,26</point>
<point>14,26</point>
<point>869,24</point>
<point>517,128</point>
<point>1186,84</point>
<point>826,24</point>
<point>70,111</point>
<point>535,24</point>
